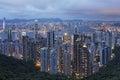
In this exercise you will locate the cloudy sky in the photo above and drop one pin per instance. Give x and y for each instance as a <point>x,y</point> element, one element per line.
<point>65,9</point>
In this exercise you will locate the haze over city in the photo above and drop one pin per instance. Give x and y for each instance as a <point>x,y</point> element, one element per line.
<point>64,9</point>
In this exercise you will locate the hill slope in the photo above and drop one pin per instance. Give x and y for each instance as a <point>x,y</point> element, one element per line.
<point>13,69</point>
<point>111,71</point>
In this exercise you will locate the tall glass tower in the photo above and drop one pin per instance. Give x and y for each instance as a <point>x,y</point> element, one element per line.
<point>4,24</point>
<point>10,35</point>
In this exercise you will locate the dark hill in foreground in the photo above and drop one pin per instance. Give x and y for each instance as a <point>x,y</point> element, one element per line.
<point>111,71</point>
<point>14,69</point>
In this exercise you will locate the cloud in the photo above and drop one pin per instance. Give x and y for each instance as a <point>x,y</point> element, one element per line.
<point>60,8</point>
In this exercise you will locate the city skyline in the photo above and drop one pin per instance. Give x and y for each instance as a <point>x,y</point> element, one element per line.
<point>64,9</point>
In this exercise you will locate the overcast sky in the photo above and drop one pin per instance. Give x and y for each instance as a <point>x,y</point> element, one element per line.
<point>65,9</point>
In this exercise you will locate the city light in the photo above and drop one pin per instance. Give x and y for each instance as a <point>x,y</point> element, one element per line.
<point>37,63</point>
<point>58,48</point>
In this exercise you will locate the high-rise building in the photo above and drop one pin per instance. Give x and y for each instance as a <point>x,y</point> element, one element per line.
<point>25,40</point>
<point>76,31</point>
<point>53,62</point>
<point>82,60</point>
<point>76,46</point>
<point>58,47</point>
<point>67,59</point>
<point>36,29</point>
<point>85,62</point>
<point>4,24</point>
<point>10,35</point>
<point>67,62</point>
<point>31,49</point>
<point>44,59</point>
<point>50,40</point>
<point>101,35</point>
<point>11,49</point>
<point>105,55</point>
<point>60,59</point>
<point>18,50</point>
<point>67,37</point>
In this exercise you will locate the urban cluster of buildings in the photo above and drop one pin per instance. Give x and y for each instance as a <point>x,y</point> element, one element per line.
<point>78,54</point>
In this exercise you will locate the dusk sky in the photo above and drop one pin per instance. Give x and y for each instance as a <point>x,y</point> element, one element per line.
<point>64,9</point>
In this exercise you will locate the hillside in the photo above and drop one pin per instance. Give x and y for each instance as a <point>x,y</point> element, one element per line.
<point>13,69</point>
<point>111,71</point>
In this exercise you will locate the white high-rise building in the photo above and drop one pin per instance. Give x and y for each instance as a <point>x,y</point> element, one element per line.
<point>53,61</point>
<point>4,24</point>
<point>36,29</point>
<point>44,59</point>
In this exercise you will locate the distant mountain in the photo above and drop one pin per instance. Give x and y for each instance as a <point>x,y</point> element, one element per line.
<point>29,20</point>
<point>116,24</point>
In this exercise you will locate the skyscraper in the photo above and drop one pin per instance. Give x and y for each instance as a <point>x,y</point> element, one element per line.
<point>76,45</point>
<point>53,61</point>
<point>67,37</point>
<point>44,59</point>
<point>105,55</point>
<point>85,62</point>
<point>25,40</point>
<point>36,29</point>
<point>67,62</point>
<point>76,31</point>
<point>76,56</point>
<point>82,65</point>
<point>4,24</point>
<point>50,40</point>
<point>10,35</point>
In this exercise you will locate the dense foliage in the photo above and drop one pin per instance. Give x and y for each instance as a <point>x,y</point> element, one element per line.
<point>14,69</point>
<point>110,71</point>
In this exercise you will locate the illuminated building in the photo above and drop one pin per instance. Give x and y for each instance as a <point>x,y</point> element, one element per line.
<point>60,59</point>
<point>4,24</point>
<point>11,49</point>
<point>37,42</point>
<point>37,64</point>
<point>25,47</point>
<point>59,52</point>
<point>66,61</point>
<point>36,29</point>
<point>76,45</point>
<point>18,50</point>
<point>85,62</point>
<point>82,59</point>
<point>67,37</point>
<point>44,59</point>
